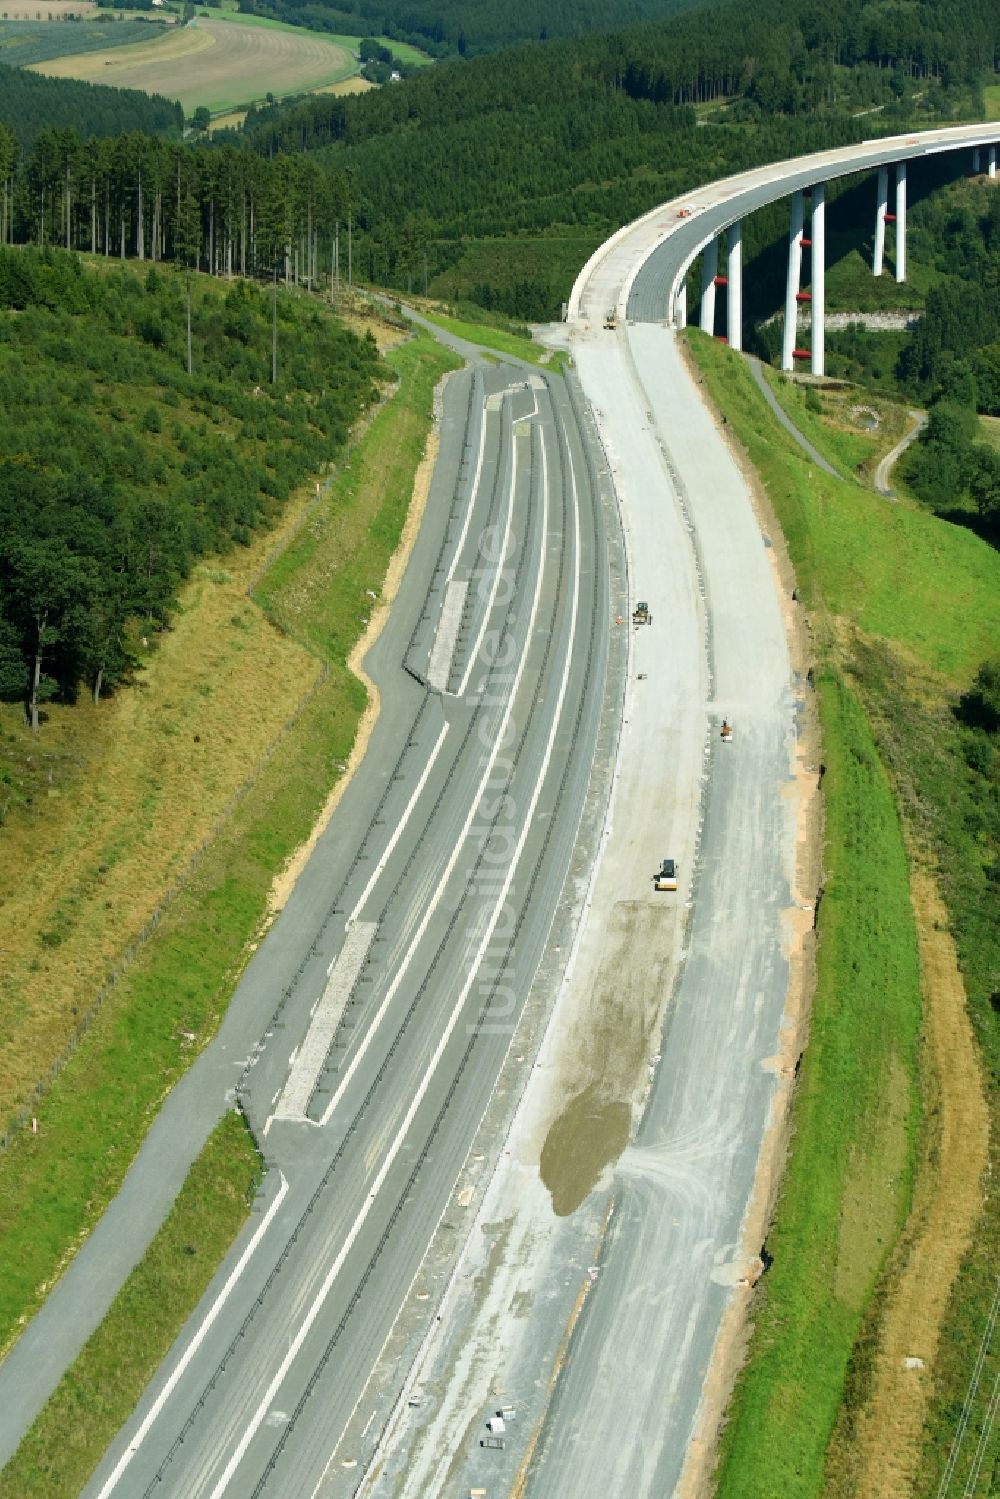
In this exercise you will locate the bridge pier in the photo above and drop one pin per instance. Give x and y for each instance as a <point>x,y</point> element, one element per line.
<point>882,205</point>
<point>681,305</point>
<point>792,283</point>
<point>734,289</point>
<point>709,271</point>
<point>817,279</point>
<point>975,162</point>
<point>901,221</point>
<point>991,161</point>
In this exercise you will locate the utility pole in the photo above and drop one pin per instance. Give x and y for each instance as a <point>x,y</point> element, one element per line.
<point>274,324</point>
<point>187,289</point>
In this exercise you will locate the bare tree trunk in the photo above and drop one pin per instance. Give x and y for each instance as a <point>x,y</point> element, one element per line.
<point>97,685</point>
<point>274,326</point>
<point>36,675</point>
<point>140,232</point>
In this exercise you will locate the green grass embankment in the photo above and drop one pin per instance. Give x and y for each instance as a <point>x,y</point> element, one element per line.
<point>845,447</point>
<point>182,981</point>
<point>489,337</point>
<point>904,608</point>
<point>105,1382</point>
<point>847,1184</point>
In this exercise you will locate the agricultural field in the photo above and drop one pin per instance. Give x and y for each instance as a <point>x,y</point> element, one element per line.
<point>221,65</point>
<point>24,42</point>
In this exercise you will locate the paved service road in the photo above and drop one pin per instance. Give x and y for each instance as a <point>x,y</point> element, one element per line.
<point>396,975</point>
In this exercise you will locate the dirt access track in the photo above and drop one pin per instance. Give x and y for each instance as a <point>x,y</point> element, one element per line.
<point>220,64</point>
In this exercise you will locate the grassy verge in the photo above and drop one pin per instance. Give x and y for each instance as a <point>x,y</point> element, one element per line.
<point>829,423</point>
<point>97,1394</point>
<point>489,337</point>
<point>848,1180</point>
<point>904,609</point>
<point>55,1184</point>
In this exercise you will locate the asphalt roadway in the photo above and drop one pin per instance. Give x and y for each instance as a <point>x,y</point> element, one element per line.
<point>370,1030</point>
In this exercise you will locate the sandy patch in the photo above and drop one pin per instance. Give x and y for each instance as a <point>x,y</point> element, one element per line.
<point>356,85</point>
<point>284,883</point>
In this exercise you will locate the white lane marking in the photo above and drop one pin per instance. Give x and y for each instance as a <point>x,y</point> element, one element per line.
<point>472,498</point>
<point>311,1056</point>
<point>456,559</point>
<point>195,1342</point>
<point>473,807</point>
<point>401,824</point>
<point>256,1420</point>
<point>501,558</point>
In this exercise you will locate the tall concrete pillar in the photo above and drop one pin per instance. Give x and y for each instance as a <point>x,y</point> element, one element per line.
<point>709,271</point>
<point>681,305</point>
<point>734,289</point>
<point>975,161</point>
<point>880,213</point>
<point>792,285</point>
<point>901,221</point>
<point>991,161</point>
<point>818,280</point>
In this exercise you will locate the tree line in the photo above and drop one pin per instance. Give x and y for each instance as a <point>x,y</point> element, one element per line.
<point>225,211</point>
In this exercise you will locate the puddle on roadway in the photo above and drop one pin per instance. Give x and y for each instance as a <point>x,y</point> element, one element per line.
<point>589,1134</point>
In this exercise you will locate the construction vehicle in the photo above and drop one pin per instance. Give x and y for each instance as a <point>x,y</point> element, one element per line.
<point>611,319</point>
<point>727,731</point>
<point>641,614</point>
<point>666,879</point>
<point>683,213</point>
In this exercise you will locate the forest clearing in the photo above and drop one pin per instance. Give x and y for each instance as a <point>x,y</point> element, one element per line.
<point>216,64</point>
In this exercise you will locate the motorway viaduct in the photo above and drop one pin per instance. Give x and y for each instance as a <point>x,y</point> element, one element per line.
<point>475,947</point>
<point>661,247</point>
